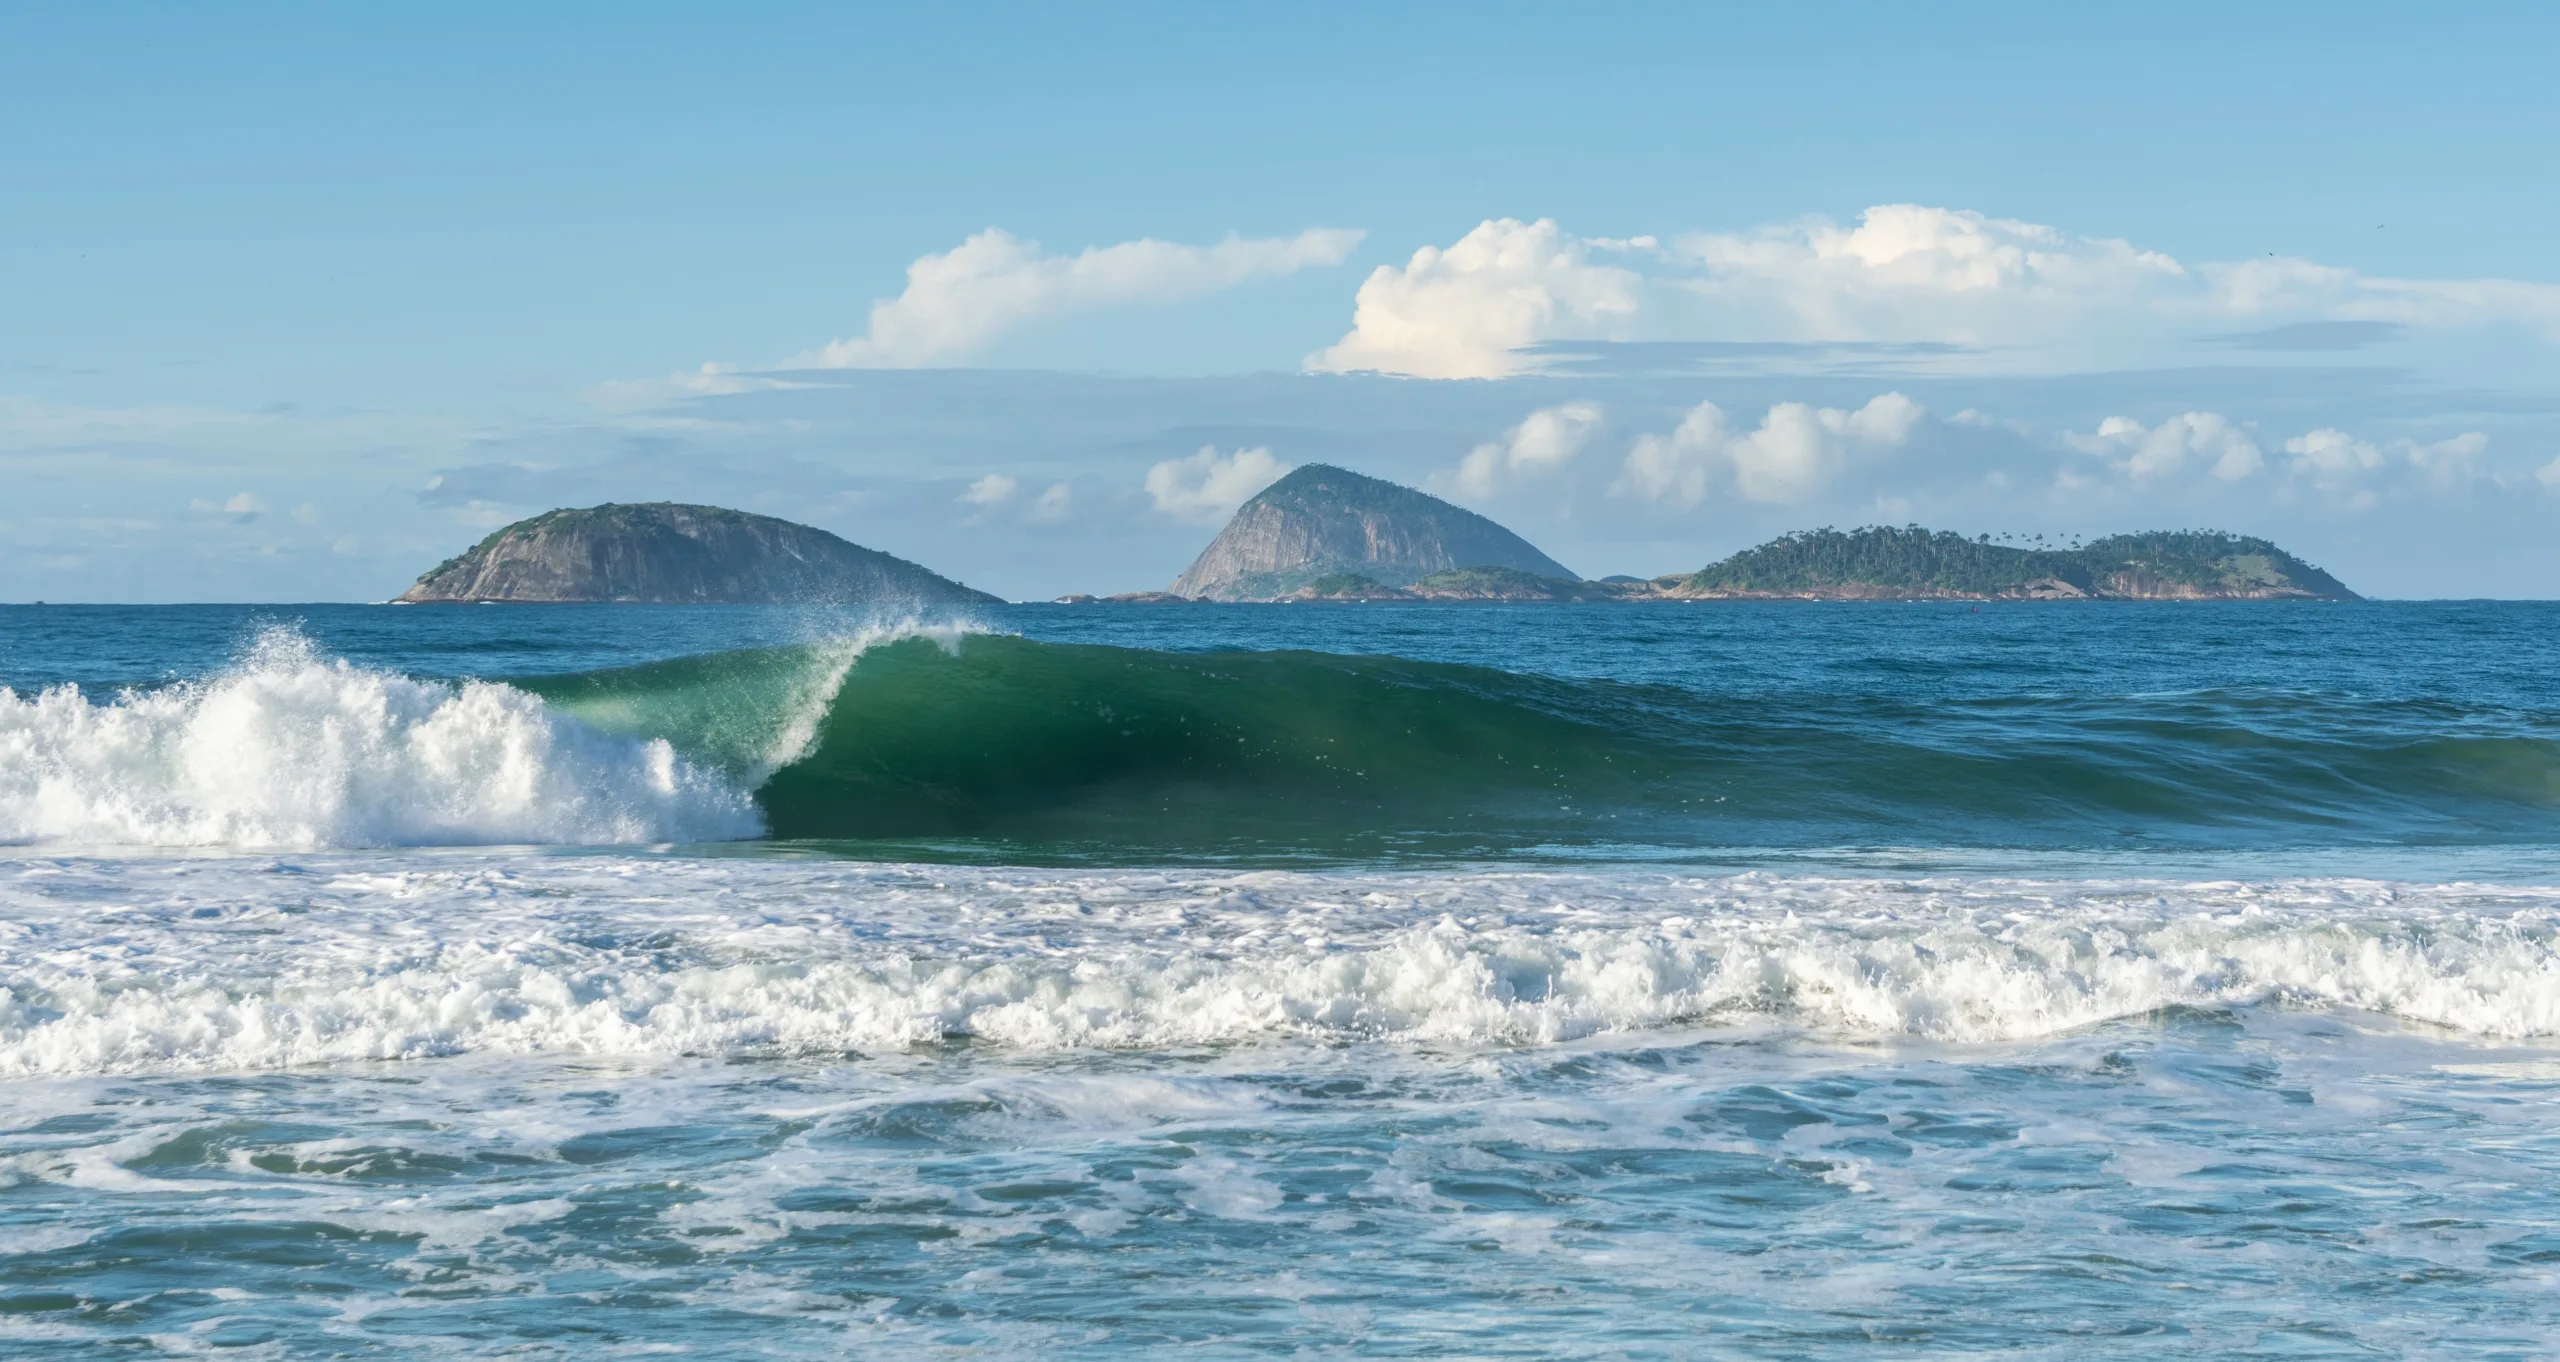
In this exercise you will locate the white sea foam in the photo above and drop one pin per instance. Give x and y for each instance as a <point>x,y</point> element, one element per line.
<point>289,749</point>
<point>189,965</point>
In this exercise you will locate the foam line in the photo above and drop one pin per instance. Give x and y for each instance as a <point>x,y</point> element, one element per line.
<point>208,966</point>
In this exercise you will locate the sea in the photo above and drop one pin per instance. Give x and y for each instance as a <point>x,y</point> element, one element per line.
<point>1750,980</point>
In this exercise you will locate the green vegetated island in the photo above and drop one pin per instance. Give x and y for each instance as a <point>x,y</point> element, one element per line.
<point>1328,534</point>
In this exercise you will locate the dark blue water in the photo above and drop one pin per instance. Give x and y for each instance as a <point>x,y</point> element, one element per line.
<point>1752,980</point>
<point>2494,654</point>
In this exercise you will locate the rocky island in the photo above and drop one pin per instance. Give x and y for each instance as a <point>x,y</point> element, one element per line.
<point>1322,522</point>
<point>669,553</point>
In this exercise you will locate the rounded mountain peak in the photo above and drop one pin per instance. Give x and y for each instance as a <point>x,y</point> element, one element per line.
<point>1320,520</point>
<point>671,553</point>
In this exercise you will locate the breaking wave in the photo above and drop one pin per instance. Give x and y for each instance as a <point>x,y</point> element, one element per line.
<point>940,743</point>
<point>290,749</point>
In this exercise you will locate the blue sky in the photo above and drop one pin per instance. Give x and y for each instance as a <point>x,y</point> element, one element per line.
<point>294,300</point>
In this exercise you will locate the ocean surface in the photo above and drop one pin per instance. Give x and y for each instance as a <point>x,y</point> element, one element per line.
<point>1706,980</point>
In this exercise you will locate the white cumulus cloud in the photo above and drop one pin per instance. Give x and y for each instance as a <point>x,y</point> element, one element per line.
<point>1465,312</point>
<point>1208,486</point>
<point>2150,454</point>
<point>1796,451</point>
<point>2357,470</point>
<point>2450,463</point>
<point>2014,294</point>
<point>991,489</point>
<point>2333,459</point>
<point>958,301</point>
<point>1545,441</point>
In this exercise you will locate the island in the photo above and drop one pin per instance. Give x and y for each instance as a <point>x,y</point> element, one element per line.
<point>665,552</point>
<point>1328,534</point>
<point>1911,563</point>
<point>1322,522</point>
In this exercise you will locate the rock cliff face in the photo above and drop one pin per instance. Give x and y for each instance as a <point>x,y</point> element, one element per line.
<point>1321,520</point>
<point>666,552</point>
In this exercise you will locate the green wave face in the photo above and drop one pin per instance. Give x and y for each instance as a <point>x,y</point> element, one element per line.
<point>1085,744</point>
<point>995,745</point>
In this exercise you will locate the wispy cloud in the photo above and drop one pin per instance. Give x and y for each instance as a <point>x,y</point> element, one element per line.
<point>711,380</point>
<point>959,301</point>
<point>24,421</point>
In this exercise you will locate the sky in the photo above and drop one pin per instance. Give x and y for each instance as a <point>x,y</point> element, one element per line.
<point>296,301</point>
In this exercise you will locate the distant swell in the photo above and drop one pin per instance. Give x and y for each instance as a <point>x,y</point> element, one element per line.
<point>288,749</point>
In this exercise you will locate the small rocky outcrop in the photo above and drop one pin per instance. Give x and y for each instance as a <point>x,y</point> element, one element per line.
<point>1347,586</point>
<point>1509,584</point>
<point>669,553</point>
<point>1321,521</point>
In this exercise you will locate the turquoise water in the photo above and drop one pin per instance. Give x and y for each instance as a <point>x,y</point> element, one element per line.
<point>1688,980</point>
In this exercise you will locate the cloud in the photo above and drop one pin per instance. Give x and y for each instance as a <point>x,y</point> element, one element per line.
<point>240,508</point>
<point>2549,474</point>
<point>2312,337</point>
<point>1208,486</point>
<point>2001,293</point>
<point>26,421</point>
<point>2450,463</point>
<point>1052,505</point>
<point>1796,451</point>
<point>960,300</point>
<point>2157,453</point>
<point>2333,459</point>
<point>1546,440</point>
<point>711,380</point>
<point>1467,312</point>
<point>1675,468</point>
<point>1910,272</point>
<point>2340,464</point>
<point>991,489</point>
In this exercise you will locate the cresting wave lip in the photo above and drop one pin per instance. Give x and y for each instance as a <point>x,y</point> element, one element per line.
<point>312,965</point>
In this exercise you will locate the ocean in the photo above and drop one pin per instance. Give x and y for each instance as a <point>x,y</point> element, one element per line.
<point>1704,980</point>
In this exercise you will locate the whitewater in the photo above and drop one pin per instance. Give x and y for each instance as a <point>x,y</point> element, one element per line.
<point>245,965</point>
<point>1427,981</point>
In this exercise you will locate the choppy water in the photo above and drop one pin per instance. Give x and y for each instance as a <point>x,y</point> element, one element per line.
<point>1727,980</point>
